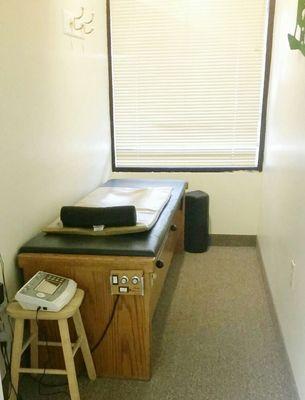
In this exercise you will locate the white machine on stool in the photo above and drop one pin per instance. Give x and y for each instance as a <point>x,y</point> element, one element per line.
<point>46,291</point>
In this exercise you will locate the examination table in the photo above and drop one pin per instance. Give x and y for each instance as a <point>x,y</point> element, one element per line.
<point>125,351</point>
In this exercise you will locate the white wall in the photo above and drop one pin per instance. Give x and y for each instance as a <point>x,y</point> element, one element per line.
<point>54,124</point>
<point>282,227</point>
<point>234,197</point>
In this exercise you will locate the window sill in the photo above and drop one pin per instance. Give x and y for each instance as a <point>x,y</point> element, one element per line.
<point>180,169</point>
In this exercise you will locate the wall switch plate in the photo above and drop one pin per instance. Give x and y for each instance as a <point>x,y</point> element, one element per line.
<point>69,27</point>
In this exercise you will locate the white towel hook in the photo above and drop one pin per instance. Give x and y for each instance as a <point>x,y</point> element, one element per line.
<point>79,27</point>
<point>91,20</point>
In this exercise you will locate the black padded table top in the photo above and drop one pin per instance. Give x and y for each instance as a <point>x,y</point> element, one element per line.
<point>136,244</point>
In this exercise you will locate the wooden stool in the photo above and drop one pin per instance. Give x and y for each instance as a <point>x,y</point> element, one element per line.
<point>15,311</point>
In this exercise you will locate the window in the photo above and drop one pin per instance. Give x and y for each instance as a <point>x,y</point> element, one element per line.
<point>187,83</point>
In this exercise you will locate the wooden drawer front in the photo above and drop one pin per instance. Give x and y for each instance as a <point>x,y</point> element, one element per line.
<point>165,256</point>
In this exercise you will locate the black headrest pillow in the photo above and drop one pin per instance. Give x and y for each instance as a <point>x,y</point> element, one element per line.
<point>87,217</point>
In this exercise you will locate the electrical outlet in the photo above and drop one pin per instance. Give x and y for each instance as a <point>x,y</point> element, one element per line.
<point>292,273</point>
<point>69,26</point>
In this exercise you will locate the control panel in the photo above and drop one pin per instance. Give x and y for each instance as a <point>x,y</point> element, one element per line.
<point>127,282</point>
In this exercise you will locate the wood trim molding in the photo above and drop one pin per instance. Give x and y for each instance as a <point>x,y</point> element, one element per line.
<point>273,312</point>
<point>266,83</point>
<point>233,240</point>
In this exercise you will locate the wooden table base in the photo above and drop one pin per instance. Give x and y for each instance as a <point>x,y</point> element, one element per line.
<point>125,352</point>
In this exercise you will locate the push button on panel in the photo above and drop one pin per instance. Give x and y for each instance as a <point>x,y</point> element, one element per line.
<point>135,280</point>
<point>124,280</point>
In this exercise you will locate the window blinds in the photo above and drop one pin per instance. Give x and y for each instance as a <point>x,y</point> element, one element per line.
<point>187,81</point>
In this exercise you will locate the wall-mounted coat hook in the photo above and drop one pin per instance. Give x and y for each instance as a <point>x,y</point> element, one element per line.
<point>91,20</point>
<point>88,23</point>
<point>75,19</point>
<point>87,32</point>
<point>78,26</point>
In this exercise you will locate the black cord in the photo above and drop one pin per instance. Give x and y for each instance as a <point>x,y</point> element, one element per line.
<point>46,364</point>
<point>45,384</point>
<point>3,346</point>
<point>7,364</point>
<point>36,317</point>
<point>3,276</point>
<point>107,326</point>
<point>5,288</point>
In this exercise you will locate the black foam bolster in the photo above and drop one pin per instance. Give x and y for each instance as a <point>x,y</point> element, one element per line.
<point>86,217</point>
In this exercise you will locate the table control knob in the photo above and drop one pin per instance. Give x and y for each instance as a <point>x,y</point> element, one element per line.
<point>124,280</point>
<point>159,264</point>
<point>135,280</point>
<point>173,227</point>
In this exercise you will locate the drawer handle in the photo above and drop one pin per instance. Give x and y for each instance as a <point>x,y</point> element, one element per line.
<point>159,264</point>
<point>173,227</point>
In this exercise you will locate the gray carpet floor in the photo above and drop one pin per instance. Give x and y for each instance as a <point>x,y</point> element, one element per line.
<point>215,338</point>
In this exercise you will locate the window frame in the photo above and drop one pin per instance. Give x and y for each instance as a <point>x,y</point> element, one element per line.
<point>259,168</point>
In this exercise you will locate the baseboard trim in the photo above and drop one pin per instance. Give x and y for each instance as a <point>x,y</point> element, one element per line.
<point>273,312</point>
<point>233,240</point>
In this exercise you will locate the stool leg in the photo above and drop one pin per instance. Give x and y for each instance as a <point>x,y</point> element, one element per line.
<point>16,356</point>
<point>34,344</point>
<point>69,359</point>
<point>80,330</point>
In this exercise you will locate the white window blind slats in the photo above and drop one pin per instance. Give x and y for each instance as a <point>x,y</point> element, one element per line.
<point>187,79</point>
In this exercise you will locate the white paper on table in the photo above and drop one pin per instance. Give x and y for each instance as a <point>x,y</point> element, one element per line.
<point>149,202</point>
